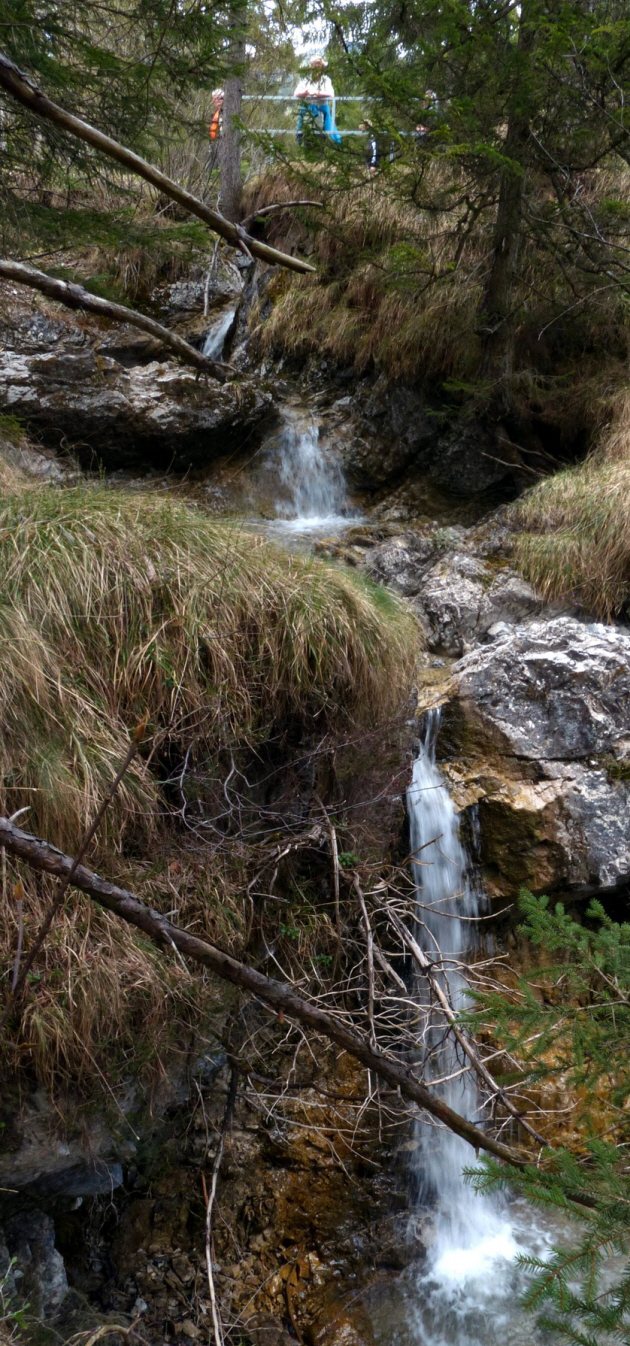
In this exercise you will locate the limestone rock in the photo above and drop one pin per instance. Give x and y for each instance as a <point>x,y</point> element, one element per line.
<point>460,588</point>
<point>555,689</point>
<point>401,562</point>
<point>159,415</point>
<point>539,735</point>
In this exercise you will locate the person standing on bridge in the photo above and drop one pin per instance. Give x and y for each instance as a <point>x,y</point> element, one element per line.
<point>317,95</point>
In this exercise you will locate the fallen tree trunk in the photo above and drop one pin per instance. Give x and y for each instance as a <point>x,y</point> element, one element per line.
<point>16,83</point>
<point>279,995</point>
<point>75,297</point>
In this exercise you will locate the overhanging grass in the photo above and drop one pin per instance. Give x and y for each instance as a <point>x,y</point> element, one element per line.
<point>118,605</point>
<point>577,539</point>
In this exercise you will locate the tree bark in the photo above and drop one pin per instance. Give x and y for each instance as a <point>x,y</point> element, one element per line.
<point>16,83</point>
<point>75,297</point>
<point>280,996</point>
<point>497,309</point>
<point>230,148</point>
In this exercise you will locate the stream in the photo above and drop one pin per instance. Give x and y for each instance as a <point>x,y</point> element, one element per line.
<point>465,1291</point>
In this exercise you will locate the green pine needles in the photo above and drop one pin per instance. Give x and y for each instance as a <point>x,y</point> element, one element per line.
<point>567,1022</point>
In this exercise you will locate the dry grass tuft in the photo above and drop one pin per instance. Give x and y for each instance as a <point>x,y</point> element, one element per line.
<point>104,1004</point>
<point>114,606</point>
<point>377,300</point>
<point>577,543</point>
<point>118,605</point>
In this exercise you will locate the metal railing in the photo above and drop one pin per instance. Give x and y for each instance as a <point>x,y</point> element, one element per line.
<point>290,98</point>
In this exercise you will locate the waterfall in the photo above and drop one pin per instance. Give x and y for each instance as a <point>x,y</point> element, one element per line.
<point>309,485</point>
<point>216,337</point>
<point>473,1239</point>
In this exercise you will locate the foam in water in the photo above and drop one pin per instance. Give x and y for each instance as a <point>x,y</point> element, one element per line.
<point>311,488</point>
<point>215,338</point>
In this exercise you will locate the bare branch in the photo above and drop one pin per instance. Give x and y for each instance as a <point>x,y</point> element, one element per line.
<point>279,995</point>
<point>75,297</point>
<point>478,1065</point>
<point>22,88</point>
<point>279,205</point>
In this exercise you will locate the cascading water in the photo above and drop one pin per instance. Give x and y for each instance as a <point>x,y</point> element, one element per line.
<point>471,1232</point>
<point>466,1292</point>
<point>216,337</point>
<point>310,490</point>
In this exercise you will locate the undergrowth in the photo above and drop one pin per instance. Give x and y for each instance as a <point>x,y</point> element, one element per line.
<point>115,606</point>
<point>576,543</point>
<point>398,290</point>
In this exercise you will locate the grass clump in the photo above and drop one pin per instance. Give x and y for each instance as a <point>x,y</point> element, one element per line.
<point>118,606</point>
<point>115,605</point>
<point>576,543</point>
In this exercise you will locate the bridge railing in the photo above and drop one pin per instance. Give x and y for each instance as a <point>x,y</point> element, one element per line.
<point>289,98</point>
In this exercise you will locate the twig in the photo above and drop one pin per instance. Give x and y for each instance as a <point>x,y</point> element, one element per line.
<point>18,893</point>
<point>279,205</point>
<point>426,966</point>
<point>334,855</point>
<point>209,1200</point>
<point>369,942</point>
<point>211,270</point>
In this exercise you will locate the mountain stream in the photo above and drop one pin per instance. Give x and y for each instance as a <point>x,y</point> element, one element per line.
<point>466,1291</point>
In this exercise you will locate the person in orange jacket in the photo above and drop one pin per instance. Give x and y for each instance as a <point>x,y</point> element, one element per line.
<point>217,115</point>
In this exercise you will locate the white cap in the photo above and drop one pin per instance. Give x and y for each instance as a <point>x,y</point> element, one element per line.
<point>318,60</point>
<point>218,93</point>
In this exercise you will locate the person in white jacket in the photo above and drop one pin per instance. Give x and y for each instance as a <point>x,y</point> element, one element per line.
<point>317,96</point>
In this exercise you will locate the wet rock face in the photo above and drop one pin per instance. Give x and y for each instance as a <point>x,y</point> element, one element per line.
<point>36,1269</point>
<point>398,431</point>
<point>459,581</point>
<point>157,415</point>
<point>538,730</point>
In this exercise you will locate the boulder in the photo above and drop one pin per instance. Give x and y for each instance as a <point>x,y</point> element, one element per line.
<point>537,731</point>
<point>157,415</point>
<point>459,587</point>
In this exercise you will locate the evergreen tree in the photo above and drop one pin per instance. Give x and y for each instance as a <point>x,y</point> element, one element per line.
<point>511,130</point>
<point>133,71</point>
<point>569,1020</point>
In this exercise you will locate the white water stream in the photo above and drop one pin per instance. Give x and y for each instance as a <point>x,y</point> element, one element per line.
<point>216,337</point>
<point>466,1292</point>
<point>309,488</point>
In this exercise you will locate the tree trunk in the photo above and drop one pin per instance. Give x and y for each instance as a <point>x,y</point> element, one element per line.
<point>280,996</point>
<point>26,92</point>
<point>230,142</point>
<point>497,315</point>
<point>75,297</point>
<point>230,147</point>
